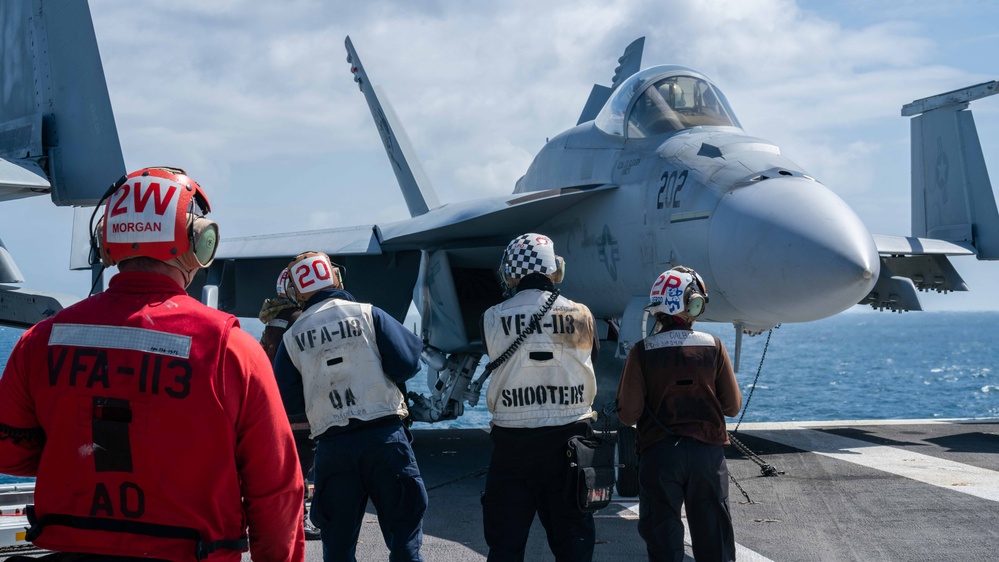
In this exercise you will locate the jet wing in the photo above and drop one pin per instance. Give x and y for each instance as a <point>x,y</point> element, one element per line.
<point>382,262</point>
<point>910,264</point>
<point>502,216</point>
<point>355,240</point>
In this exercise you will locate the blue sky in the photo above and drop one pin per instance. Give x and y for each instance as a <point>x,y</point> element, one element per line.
<point>255,99</point>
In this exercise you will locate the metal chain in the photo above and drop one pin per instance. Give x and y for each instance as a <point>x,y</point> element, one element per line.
<point>737,485</point>
<point>766,468</point>
<point>758,371</point>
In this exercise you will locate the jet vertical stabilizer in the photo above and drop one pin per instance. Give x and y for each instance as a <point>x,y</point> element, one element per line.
<point>56,122</point>
<point>952,197</point>
<point>416,189</point>
<point>57,129</point>
<point>629,63</point>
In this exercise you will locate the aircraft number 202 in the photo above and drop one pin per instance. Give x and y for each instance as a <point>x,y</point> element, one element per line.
<point>669,190</point>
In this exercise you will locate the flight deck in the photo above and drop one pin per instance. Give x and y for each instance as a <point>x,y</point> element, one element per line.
<point>850,491</point>
<point>906,490</point>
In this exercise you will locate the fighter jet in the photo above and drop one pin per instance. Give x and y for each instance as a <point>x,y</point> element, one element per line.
<point>656,172</point>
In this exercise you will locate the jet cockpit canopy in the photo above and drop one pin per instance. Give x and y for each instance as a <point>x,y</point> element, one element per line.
<point>663,99</point>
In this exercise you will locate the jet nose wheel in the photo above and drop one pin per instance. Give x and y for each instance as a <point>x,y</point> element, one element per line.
<point>627,461</point>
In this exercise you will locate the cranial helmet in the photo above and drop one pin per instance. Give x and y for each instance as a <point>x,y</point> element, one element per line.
<point>282,284</point>
<point>673,94</point>
<point>531,253</point>
<point>310,272</point>
<point>156,213</point>
<point>677,291</point>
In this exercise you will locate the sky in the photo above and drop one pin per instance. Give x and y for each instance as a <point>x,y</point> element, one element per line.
<point>255,100</point>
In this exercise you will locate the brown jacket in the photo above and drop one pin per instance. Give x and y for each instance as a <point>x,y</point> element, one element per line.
<point>686,379</point>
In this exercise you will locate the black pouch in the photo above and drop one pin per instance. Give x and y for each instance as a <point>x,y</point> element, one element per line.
<point>591,471</point>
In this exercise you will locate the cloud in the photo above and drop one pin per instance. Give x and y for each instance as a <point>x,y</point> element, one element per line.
<point>256,100</point>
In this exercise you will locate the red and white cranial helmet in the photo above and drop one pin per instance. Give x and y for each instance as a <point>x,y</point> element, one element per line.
<point>157,213</point>
<point>529,253</point>
<point>676,291</point>
<point>310,272</point>
<point>282,284</point>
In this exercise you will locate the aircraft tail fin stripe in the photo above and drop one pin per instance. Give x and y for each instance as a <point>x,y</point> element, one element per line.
<point>416,188</point>
<point>952,196</point>
<point>629,63</point>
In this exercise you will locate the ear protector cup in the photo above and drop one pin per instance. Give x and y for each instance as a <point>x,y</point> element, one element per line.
<point>695,305</point>
<point>204,240</point>
<point>694,297</point>
<point>559,274</point>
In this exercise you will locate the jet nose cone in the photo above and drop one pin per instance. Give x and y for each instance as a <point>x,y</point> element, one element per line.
<point>790,250</point>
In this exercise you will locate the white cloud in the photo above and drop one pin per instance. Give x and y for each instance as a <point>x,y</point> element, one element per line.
<point>255,98</point>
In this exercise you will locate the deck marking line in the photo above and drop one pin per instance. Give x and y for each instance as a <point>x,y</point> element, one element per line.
<point>742,553</point>
<point>935,471</point>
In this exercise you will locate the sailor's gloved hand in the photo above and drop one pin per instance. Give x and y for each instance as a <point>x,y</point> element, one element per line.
<point>272,307</point>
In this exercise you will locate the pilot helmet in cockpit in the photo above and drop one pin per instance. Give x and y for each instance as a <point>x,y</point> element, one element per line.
<point>673,94</point>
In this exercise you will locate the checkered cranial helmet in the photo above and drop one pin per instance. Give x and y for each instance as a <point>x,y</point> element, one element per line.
<point>529,253</point>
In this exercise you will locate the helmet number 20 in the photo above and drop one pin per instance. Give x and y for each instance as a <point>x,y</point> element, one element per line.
<point>307,273</point>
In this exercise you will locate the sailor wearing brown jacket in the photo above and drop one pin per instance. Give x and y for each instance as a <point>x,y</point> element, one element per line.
<point>678,385</point>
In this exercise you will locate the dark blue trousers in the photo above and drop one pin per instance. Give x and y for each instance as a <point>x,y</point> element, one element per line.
<point>678,471</point>
<point>374,462</point>
<point>527,476</point>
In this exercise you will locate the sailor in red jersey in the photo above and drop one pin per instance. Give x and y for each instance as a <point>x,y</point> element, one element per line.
<point>152,423</point>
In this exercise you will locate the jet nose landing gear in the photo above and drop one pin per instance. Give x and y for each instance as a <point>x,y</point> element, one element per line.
<point>449,378</point>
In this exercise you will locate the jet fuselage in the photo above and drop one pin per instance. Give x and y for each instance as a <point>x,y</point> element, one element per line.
<point>772,243</point>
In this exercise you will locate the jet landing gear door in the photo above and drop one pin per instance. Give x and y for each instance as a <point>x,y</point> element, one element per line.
<point>437,302</point>
<point>453,290</point>
<point>635,325</point>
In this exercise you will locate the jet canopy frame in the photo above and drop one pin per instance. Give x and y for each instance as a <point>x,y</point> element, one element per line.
<point>662,99</point>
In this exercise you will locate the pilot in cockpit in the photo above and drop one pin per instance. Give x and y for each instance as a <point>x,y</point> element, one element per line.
<point>673,95</point>
<point>654,111</point>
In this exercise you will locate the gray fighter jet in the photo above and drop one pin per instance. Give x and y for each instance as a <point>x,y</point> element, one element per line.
<point>657,172</point>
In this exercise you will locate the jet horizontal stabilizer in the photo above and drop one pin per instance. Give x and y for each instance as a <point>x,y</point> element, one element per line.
<point>23,308</point>
<point>910,245</point>
<point>21,178</point>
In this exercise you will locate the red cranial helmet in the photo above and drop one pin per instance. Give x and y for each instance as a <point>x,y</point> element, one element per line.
<point>157,213</point>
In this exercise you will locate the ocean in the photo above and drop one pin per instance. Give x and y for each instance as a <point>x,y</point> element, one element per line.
<point>858,365</point>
